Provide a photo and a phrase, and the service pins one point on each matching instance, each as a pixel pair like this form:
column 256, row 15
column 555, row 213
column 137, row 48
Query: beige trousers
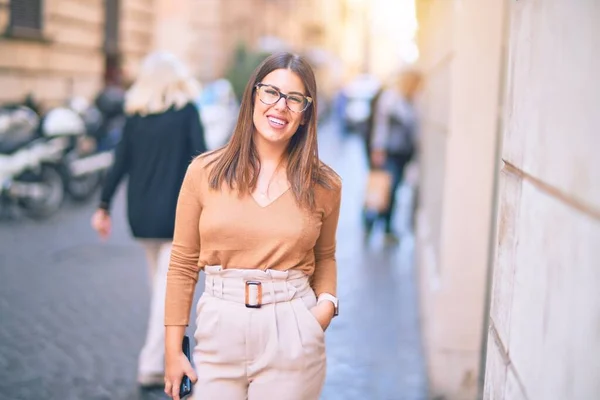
column 273, row 352
column 152, row 357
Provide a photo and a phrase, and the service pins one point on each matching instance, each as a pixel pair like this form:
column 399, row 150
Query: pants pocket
column 312, row 335
column 306, row 303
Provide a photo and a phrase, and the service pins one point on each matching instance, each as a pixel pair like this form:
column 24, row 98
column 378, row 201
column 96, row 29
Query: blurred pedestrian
column 394, row 141
column 260, row 217
column 110, row 104
column 162, row 134
column 370, row 125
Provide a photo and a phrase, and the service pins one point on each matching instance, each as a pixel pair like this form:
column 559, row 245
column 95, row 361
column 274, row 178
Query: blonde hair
column 163, row 82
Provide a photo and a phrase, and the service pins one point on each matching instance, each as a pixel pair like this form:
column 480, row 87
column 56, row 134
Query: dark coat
column 154, row 153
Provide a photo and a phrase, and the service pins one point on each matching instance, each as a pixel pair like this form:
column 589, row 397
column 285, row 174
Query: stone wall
column 544, row 341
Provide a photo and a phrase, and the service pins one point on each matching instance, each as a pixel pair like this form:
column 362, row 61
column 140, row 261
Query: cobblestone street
column 73, row 309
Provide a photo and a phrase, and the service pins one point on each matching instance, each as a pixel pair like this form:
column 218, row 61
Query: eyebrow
column 275, row 87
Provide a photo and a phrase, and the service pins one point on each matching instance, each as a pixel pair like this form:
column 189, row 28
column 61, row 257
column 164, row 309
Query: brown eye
column 298, row 100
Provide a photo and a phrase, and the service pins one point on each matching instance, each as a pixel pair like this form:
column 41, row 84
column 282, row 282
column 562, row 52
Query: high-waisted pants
column 256, row 338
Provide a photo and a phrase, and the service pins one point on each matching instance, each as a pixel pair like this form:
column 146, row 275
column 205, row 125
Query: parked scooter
column 85, row 161
column 29, row 164
column 90, row 154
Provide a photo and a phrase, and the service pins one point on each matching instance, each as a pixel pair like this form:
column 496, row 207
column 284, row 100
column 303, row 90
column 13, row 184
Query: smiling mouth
column 277, row 121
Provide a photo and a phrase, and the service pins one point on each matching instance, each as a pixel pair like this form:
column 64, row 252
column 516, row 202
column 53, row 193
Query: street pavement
column 73, row 309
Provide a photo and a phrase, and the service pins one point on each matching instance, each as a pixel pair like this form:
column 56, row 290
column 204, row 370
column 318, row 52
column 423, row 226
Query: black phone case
column 186, row 384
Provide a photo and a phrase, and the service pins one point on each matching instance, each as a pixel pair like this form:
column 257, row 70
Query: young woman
column 162, row 135
column 260, row 217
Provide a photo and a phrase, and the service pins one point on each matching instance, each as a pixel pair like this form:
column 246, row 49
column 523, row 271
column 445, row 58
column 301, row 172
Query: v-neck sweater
column 222, row 227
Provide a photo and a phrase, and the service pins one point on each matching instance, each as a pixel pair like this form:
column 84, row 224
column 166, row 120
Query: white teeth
column 277, row 121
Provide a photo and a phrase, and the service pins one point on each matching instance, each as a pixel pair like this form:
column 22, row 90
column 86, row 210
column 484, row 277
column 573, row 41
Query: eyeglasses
column 294, row 101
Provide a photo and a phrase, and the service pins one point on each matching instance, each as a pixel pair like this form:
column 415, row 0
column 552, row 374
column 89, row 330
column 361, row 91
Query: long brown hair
column 238, row 165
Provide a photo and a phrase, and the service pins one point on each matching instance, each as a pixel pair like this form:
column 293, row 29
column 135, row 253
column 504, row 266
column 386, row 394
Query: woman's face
column 276, row 123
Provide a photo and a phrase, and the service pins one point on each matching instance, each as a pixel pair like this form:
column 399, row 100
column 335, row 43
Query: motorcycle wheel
column 54, row 193
column 82, row 188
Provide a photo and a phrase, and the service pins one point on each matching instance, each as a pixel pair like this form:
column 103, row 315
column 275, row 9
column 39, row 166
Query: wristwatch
column 329, row 297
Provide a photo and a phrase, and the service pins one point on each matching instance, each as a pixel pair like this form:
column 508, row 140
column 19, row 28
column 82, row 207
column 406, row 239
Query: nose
column 281, row 104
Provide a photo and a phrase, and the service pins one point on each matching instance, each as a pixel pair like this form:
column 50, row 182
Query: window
column 26, row 17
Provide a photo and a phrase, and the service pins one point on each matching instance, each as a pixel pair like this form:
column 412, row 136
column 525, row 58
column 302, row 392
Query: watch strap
column 329, row 297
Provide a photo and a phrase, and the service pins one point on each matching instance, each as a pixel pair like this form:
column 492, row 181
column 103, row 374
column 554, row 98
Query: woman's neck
column 270, row 153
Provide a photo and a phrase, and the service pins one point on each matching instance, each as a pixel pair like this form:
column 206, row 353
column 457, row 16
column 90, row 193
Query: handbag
column 377, row 196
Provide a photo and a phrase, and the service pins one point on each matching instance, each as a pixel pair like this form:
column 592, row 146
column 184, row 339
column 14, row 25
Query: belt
column 254, row 287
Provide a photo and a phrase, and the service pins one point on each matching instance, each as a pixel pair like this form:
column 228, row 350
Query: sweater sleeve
column 120, row 166
column 324, row 279
column 183, row 267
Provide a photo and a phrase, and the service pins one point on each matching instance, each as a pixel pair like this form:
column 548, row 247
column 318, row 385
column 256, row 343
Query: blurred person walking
column 162, row 134
column 110, row 103
column 393, row 142
column 259, row 216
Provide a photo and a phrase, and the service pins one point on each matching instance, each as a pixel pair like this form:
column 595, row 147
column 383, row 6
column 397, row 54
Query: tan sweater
column 221, row 228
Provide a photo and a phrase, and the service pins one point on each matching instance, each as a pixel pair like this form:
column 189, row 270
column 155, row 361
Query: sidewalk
column 374, row 346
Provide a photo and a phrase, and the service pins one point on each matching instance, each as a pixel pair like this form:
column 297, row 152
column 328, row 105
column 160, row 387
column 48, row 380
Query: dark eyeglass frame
column 308, row 100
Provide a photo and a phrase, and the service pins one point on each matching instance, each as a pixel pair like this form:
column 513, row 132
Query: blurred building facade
column 510, row 199
column 333, row 34
column 206, row 33
column 55, row 49
column 59, row 48
column 50, row 48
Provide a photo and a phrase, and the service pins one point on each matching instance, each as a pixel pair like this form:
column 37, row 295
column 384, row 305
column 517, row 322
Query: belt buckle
column 258, row 285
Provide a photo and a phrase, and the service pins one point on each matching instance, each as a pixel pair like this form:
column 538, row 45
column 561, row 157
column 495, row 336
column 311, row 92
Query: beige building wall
column 353, row 44
column 173, row 26
column 70, row 58
column 203, row 33
column 136, row 32
column 67, row 61
column 207, row 60
column 544, row 340
column 461, row 50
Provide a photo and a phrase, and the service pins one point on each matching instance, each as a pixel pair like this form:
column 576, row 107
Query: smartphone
column 186, row 383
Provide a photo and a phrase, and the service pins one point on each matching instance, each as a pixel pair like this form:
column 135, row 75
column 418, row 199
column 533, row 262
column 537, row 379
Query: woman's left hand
column 323, row 312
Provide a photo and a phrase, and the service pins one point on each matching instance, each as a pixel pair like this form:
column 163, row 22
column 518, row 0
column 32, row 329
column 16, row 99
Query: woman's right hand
column 378, row 158
column 101, row 223
column 177, row 365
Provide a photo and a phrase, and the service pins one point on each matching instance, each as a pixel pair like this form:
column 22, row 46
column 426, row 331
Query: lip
column 276, row 125
column 278, row 117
